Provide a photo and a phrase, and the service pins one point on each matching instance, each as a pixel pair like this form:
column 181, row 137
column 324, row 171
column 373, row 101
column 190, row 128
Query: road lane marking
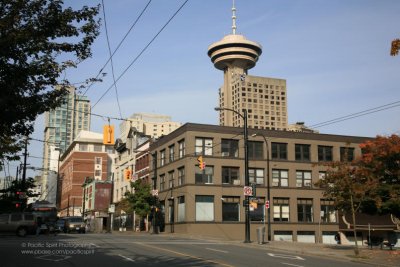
column 126, row 258
column 284, row 256
column 292, row 264
column 217, row 250
column 185, row 255
column 94, row 245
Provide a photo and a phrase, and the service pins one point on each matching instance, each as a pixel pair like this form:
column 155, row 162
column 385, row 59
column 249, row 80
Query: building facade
column 62, row 125
column 153, row 125
column 210, row 201
column 86, row 157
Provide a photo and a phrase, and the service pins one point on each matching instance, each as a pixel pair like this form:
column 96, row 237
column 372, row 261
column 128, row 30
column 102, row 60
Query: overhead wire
column 357, row 114
column 118, row 46
column 111, row 58
column 142, row 51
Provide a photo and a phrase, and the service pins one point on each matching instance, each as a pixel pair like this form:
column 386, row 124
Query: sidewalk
column 376, row 257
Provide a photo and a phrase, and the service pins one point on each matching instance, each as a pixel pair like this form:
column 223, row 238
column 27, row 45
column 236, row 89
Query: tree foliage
column 39, row 40
column 373, row 180
column 381, row 160
column 395, row 48
column 141, row 199
column 9, row 197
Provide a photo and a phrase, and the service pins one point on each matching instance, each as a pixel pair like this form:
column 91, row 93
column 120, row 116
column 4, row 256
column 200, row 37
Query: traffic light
column 127, row 174
column 17, row 205
column 202, row 164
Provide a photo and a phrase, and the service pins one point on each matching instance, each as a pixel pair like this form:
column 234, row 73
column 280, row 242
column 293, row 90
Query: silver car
column 19, row 223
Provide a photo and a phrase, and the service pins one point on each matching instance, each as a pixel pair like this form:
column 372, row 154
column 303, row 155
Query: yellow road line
column 185, row 255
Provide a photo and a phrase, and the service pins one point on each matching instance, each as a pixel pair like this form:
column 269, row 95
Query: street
column 145, row 250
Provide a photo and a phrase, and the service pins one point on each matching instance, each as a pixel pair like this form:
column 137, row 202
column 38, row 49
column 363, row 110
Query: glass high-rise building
column 62, row 125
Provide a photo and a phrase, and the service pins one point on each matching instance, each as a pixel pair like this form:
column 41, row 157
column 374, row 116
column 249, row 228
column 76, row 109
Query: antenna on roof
column 233, row 17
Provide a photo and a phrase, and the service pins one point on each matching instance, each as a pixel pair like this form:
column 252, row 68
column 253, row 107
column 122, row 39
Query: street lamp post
column 246, row 169
column 268, row 187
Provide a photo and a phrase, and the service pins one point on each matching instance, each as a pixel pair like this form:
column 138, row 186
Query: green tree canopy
column 39, row 40
column 141, row 199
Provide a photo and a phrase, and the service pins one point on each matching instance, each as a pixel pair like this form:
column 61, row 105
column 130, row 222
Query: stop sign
column 267, row 204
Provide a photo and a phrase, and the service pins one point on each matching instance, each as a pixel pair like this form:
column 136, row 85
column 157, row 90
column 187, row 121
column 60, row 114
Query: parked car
column 75, row 224
column 19, row 223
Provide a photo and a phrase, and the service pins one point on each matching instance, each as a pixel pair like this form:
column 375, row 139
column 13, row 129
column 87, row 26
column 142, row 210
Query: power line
column 143, row 50
column 357, row 114
column 111, row 60
column 118, row 46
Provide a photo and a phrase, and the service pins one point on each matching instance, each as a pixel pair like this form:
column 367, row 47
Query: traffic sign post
column 267, row 204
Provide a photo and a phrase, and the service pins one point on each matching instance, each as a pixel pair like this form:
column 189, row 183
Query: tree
column 9, row 197
column 141, row 199
column 381, row 160
column 39, row 40
column 395, row 47
column 349, row 187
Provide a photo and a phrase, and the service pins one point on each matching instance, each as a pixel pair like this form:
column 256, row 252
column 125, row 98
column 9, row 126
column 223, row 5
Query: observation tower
column 234, row 55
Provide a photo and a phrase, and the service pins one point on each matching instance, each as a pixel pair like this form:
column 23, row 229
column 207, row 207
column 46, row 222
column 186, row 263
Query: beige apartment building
column 210, row 201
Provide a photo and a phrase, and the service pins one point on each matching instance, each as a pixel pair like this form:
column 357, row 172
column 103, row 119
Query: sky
column 334, row 56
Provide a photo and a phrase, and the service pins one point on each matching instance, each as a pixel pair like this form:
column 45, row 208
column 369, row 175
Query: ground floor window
column 204, row 208
column 181, row 209
column 304, row 210
column 230, row 209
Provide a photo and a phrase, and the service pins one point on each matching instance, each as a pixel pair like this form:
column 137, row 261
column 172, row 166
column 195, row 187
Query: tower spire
column 233, row 18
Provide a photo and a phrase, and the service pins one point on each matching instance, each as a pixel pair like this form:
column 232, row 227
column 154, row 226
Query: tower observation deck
column 234, row 55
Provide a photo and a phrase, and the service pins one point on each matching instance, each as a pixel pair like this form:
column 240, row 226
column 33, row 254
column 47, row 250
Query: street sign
column 267, row 204
column 111, row 208
column 247, row 190
column 154, row 193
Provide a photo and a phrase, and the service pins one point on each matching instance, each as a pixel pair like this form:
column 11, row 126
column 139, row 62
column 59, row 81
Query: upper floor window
column 325, row 153
column 230, row 175
column 279, row 150
column 204, row 176
column 181, row 176
column 97, row 160
column 162, row 182
column 204, row 146
column 347, row 154
column 302, row 152
column 303, row 179
column 83, row 147
column 256, row 150
column 171, row 153
column 229, row 148
column 162, row 157
column 181, row 145
column 256, row 176
column 171, row 179
column 97, row 148
column 280, row 178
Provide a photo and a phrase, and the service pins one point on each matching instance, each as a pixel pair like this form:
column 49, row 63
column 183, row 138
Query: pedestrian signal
column 108, row 135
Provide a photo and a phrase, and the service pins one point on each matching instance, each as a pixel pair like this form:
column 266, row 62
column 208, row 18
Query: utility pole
column 24, row 168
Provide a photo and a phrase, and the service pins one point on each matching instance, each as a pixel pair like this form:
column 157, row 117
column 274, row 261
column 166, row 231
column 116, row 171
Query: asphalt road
column 145, row 250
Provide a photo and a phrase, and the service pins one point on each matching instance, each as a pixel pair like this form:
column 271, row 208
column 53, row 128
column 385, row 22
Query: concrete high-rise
column 62, row 125
column 264, row 98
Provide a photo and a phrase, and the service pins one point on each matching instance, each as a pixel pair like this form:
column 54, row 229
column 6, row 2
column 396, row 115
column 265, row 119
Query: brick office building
column 85, row 157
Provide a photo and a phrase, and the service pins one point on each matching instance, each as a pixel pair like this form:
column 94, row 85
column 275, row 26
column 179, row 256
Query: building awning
column 386, row 222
